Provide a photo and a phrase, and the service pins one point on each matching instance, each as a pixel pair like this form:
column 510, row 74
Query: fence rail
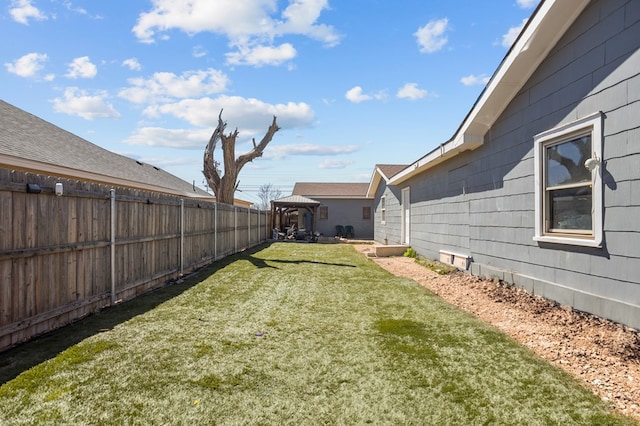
column 63, row 257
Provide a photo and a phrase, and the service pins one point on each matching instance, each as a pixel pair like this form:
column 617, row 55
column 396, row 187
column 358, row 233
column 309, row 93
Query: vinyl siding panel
column 481, row 203
column 346, row 212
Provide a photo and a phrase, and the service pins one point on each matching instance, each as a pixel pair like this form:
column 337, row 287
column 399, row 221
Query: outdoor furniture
column 339, row 231
column 349, row 232
column 277, row 235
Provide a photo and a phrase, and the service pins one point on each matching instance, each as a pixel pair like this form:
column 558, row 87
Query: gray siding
column 481, row 203
column 390, row 229
column 346, row 212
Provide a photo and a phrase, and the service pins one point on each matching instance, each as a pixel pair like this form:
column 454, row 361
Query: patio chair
column 349, row 232
column 339, row 231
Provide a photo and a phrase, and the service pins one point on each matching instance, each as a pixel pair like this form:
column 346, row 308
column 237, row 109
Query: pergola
column 283, row 207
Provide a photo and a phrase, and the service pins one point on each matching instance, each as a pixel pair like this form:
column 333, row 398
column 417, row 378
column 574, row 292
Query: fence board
column 55, row 254
column 6, row 299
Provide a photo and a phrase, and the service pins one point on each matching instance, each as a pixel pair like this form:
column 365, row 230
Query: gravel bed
column 604, row 355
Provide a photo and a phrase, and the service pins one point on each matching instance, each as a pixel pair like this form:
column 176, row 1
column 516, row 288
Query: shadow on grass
column 262, row 263
column 29, row 354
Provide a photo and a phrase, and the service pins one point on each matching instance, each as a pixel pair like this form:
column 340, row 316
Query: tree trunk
column 224, row 187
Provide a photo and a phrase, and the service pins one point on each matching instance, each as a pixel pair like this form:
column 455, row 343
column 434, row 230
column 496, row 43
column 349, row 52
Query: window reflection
column 565, row 162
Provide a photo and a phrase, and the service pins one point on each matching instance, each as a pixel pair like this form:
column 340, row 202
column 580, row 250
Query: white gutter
column 18, row 163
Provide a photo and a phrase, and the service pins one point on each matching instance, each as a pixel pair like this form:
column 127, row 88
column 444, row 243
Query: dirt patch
column 604, row 355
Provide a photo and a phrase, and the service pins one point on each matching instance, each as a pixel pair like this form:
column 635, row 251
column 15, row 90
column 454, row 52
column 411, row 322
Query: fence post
column 112, row 196
column 181, row 236
column 215, row 231
column 248, row 227
column 235, row 229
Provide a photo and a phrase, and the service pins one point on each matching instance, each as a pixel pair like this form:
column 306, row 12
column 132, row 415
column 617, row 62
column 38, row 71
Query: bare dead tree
column 268, row 192
column 225, row 186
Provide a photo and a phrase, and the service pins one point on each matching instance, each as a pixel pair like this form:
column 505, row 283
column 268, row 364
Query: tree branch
column 258, row 149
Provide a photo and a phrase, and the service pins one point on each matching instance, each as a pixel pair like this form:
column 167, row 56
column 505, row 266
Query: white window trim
column 593, row 123
column 383, row 210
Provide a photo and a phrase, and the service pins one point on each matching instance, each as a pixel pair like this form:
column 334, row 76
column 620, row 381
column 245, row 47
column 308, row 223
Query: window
column 383, row 209
column 568, row 183
column 366, row 213
column 324, row 213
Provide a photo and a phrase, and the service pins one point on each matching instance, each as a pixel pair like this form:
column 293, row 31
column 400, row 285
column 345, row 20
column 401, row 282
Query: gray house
column 341, row 205
column 540, row 184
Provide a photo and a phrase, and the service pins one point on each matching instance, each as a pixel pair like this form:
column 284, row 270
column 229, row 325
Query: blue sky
column 353, row 83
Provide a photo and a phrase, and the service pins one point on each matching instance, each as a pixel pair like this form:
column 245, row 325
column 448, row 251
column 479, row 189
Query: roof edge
column 18, row 163
column 545, row 27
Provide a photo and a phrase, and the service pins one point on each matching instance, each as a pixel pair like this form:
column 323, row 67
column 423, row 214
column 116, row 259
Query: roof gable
column 383, row 171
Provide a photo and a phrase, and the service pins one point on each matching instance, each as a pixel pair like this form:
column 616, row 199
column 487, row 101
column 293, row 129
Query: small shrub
column 410, row 253
column 436, row 266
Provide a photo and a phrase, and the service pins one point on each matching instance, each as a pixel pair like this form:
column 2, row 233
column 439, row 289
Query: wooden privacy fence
column 63, row 257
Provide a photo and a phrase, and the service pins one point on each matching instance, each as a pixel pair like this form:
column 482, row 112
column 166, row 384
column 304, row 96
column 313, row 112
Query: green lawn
column 289, row 334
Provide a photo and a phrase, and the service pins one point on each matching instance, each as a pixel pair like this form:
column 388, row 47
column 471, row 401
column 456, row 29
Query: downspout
column 112, row 196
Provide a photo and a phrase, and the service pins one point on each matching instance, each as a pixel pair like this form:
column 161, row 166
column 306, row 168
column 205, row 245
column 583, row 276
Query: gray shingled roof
column 330, row 189
column 27, row 137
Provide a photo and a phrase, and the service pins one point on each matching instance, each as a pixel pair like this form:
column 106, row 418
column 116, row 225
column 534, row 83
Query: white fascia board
column 374, row 183
column 462, row 142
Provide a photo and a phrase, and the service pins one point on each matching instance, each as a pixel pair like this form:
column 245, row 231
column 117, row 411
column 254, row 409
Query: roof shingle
column 24, row 136
column 330, row 189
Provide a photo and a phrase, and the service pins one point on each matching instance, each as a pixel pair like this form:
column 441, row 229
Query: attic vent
column 139, row 162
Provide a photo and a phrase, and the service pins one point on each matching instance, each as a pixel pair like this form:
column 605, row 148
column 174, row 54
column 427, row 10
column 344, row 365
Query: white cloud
column 80, row 10
column 27, row 65
column 510, row 37
column 278, row 152
column 261, row 55
column 431, row 37
column 250, row 25
column 300, row 18
column 356, row 95
column 22, row 10
column 166, row 86
column 198, row 51
column 171, row 138
column 132, row 64
column 78, row 102
column 527, row 4
column 251, row 116
column 82, row 68
column 474, row 80
column 334, row 164
column 411, row 91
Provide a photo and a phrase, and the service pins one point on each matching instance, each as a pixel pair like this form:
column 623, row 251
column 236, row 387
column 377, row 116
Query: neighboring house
column 341, row 204
column 540, row 184
column 29, row 143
